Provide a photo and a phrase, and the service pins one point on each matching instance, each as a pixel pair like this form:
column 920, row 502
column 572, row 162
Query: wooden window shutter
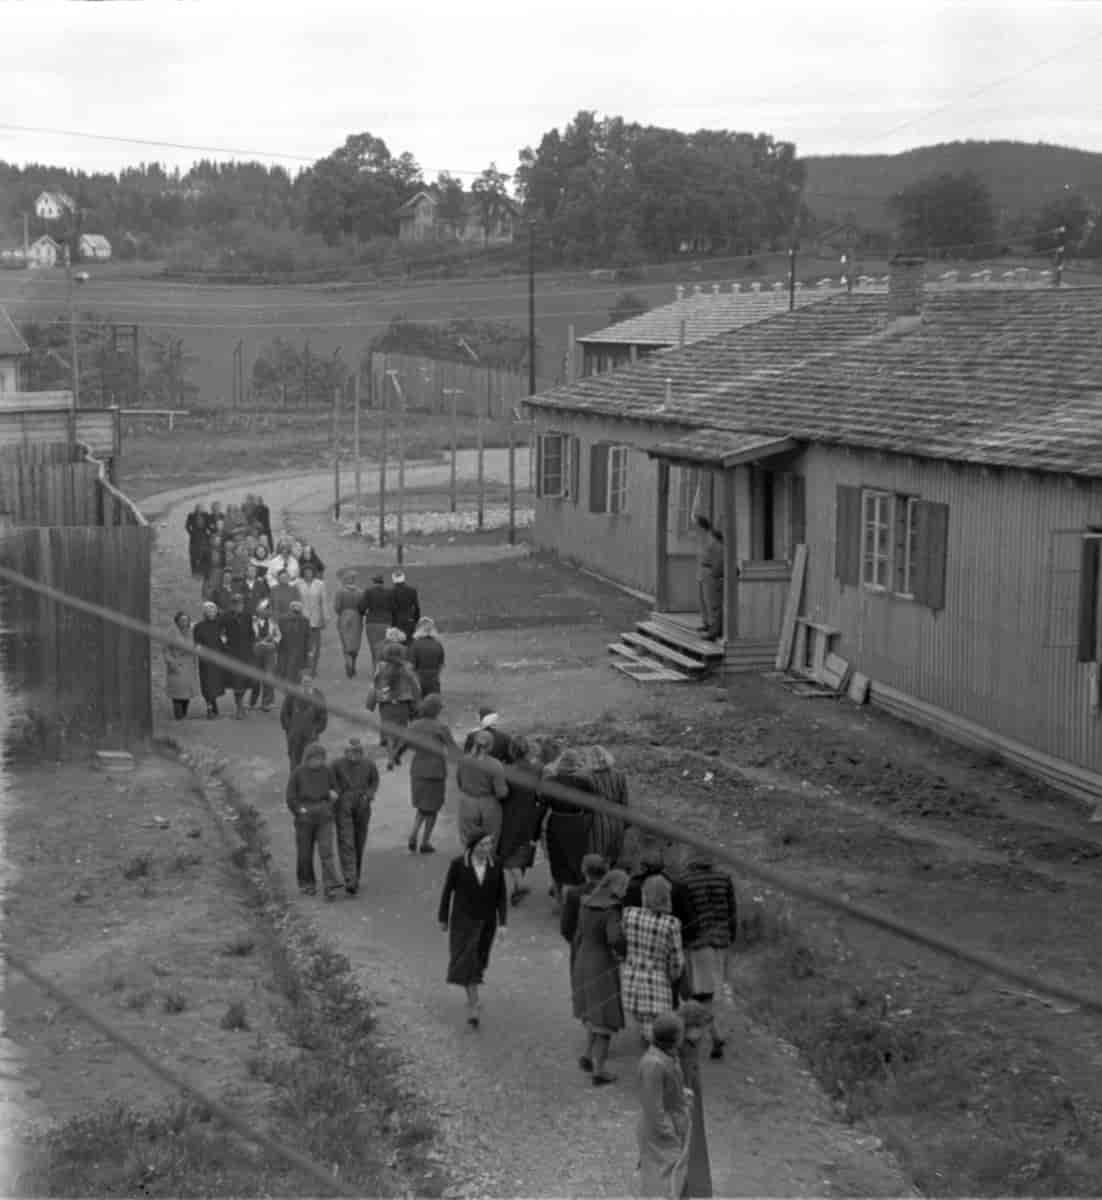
column 1088, row 601
column 539, row 464
column 847, row 536
column 598, row 477
column 575, row 447
column 931, row 548
column 797, row 523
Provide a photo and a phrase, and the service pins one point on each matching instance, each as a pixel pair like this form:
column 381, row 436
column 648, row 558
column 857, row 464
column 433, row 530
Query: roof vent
column 680, row 292
column 755, row 286
column 715, row 289
column 697, row 290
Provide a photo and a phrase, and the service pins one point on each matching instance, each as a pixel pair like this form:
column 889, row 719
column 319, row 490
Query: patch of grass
column 139, row 867
column 184, row 861
column 117, row 983
column 239, row 947
column 235, row 1016
column 174, row 1002
column 120, row 1152
column 139, row 1001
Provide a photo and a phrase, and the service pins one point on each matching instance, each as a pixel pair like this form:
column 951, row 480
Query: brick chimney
column 906, row 285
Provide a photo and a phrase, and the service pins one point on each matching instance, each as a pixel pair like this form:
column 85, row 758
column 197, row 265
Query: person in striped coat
column 710, row 930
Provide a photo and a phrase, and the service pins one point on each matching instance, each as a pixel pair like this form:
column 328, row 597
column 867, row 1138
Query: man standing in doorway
column 709, row 576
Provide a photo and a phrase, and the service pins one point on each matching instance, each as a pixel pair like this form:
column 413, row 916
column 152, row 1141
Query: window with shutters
column 906, row 532
column 876, row 547
column 617, row 479
column 552, row 469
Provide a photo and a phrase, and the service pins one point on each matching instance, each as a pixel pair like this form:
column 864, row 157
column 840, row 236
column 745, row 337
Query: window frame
column 886, row 524
column 616, row 489
column 562, row 440
column 906, row 526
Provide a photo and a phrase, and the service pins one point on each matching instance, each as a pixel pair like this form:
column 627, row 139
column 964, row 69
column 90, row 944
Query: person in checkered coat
column 654, row 959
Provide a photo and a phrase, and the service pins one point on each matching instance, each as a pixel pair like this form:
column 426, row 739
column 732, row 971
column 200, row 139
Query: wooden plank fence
column 80, row 680
column 430, row 385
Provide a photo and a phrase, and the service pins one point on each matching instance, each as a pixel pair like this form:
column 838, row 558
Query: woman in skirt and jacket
column 474, row 907
column 428, row 771
column 595, row 978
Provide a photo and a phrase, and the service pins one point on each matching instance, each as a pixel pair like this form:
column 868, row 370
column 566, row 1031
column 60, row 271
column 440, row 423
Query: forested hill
column 1021, row 176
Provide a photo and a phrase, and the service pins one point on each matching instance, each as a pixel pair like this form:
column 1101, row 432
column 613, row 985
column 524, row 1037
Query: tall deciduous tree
column 490, row 192
column 947, row 215
column 451, row 202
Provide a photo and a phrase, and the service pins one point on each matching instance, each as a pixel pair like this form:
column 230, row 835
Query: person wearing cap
column 350, row 622
column 208, row 633
column 665, row 1119
column 315, row 604
column 428, row 771
column 473, row 908
column 357, row 781
column 303, row 720
column 426, row 656
column 266, row 638
column 311, row 796
column 407, row 607
column 237, row 634
column 283, row 593
column 294, row 644
column 377, row 608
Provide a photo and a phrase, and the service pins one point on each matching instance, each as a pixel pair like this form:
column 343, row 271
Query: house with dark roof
column 939, row 454
column 13, row 353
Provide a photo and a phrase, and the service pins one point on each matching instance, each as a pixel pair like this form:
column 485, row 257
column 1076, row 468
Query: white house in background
column 50, row 206
column 94, row 245
column 13, row 350
column 13, row 256
column 45, row 252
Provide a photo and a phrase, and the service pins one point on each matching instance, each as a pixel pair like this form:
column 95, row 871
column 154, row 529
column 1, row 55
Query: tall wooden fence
column 80, row 680
column 432, row 386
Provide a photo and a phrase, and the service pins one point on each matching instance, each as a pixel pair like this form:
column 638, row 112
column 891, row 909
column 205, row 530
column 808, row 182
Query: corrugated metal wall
column 1002, row 653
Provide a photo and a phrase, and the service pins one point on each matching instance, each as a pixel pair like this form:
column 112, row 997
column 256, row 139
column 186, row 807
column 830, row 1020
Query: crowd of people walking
column 647, row 945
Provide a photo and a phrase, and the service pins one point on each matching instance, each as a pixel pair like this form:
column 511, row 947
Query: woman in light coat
column 181, row 678
column 350, row 622
column 483, row 789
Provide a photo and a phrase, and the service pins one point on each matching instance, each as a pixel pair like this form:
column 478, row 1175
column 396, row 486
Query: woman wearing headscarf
column 654, row 960
column 606, row 833
column 489, row 720
column 208, row 633
column 594, row 869
column 293, row 650
column 426, row 656
column 481, row 780
column 664, row 1127
column 350, row 622
column 595, row 976
column 473, row 907
column 567, row 826
column 180, row 666
column 396, row 692
column 428, row 771
column 521, row 816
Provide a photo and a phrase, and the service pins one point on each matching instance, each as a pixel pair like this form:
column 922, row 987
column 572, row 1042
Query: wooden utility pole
column 531, row 308
column 481, row 426
column 336, row 455
column 74, row 403
column 792, row 279
column 401, row 465
column 452, row 393
column 385, row 403
column 356, row 446
column 512, row 479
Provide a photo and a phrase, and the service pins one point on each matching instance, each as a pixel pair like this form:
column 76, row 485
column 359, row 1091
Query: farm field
column 344, row 318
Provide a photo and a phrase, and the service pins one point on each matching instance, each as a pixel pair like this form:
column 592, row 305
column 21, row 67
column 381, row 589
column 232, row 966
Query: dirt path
column 518, row 1116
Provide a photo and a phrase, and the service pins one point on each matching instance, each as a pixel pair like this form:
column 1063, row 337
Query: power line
column 992, row 964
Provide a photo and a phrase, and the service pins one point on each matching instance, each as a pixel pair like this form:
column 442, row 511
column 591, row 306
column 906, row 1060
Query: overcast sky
column 459, row 85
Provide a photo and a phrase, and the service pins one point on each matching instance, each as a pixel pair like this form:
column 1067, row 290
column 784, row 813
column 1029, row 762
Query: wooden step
column 663, row 653
column 685, row 643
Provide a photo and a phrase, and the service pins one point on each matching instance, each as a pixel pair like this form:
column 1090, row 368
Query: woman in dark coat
column 428, row 772
column 473, row 906
column 594, row 869
column 208, row 634
column 426, row 656
column 606, row 834
column 521, row 817
column 595, row 978
column 567, row 827
column 198, row 532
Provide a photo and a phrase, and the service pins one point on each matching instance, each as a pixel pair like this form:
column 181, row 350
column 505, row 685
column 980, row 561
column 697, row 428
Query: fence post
column 481, row 426
column 512, row 480
column 336, row 455
column 401, row 467
column 385, row 406
column 356, row 449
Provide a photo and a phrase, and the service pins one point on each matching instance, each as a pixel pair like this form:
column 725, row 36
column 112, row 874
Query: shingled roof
column 705, row 314
column 997, row 377
column 11, row 340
